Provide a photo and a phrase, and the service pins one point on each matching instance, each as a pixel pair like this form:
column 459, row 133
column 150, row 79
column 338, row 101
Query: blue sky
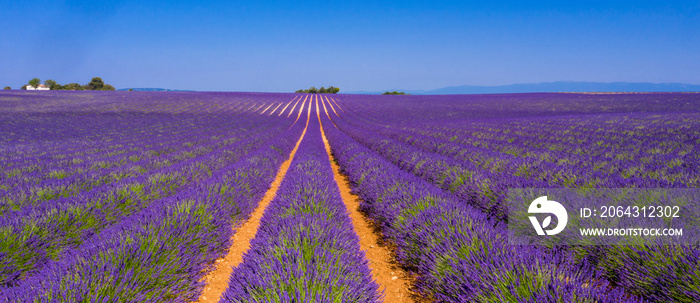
column 282, row 46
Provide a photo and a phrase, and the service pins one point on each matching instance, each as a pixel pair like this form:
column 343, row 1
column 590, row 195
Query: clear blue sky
column 368, row 45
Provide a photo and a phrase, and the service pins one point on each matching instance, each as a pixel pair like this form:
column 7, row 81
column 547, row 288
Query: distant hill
column 147, row 89
column 560, row 86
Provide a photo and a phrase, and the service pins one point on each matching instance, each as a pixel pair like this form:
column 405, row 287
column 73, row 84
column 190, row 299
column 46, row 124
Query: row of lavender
column 641, row 270
column 443, row 109
column 39, row 232
column 456, row 168
column 61, row 144
column 33, row 124
column 479, row 166
column 32, row 183
column 306, row 249
column 149, row 241
column 39, row 145
column 458, row 253
column 161, row 253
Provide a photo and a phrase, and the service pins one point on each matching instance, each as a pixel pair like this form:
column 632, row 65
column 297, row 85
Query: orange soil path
column 259, row 107
column 285, row 107
column 325, row 110
column 274, row 110
column 217, row 280
column 295, row 105
column 301, row 109
column 330, row 103
column 252, row 107
column 338, row 105
column 391, row 278
column 268, row 107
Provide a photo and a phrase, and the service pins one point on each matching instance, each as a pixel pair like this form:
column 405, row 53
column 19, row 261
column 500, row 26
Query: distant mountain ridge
column 547, row 87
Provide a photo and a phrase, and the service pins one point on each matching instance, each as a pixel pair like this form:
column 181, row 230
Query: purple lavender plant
column 459, row 253
column 306, row 249
column 159, row 251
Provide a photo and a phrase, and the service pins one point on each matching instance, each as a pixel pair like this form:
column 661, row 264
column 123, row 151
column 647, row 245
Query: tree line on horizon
column 322, row 90
column 395, row 93
column 95, row 84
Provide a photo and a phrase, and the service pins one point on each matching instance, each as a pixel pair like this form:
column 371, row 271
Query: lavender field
column 135, row 196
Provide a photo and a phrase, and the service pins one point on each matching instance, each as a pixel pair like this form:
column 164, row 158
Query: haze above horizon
column 277, row 46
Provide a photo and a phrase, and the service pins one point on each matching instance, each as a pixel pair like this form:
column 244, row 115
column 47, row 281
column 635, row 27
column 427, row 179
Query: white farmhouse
column 40, row 87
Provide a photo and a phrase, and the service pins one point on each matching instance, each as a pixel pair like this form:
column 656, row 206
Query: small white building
column 40, row 87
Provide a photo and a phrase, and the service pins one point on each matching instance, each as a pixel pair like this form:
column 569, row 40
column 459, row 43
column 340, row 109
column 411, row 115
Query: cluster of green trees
column 322, row 90
column 95, row 84
column 395, row 93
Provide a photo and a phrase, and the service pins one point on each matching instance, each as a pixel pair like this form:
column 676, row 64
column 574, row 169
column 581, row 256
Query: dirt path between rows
column 295, row 105
column 301, row 110
column 288, row 104
column 275, row 109
column 217, row 280
column 325, row 110
column 395, row 282
column 336, row 104
column 268, row 107
column 330, row 104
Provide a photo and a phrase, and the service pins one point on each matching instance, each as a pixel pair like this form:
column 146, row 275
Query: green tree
column 131, row 89
column 95, row 84
column 51, row 84
column 24, row 87
column 34, row 82
column 108, row 87
column 322, row 90
column 7, row 88
column 73, row 86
